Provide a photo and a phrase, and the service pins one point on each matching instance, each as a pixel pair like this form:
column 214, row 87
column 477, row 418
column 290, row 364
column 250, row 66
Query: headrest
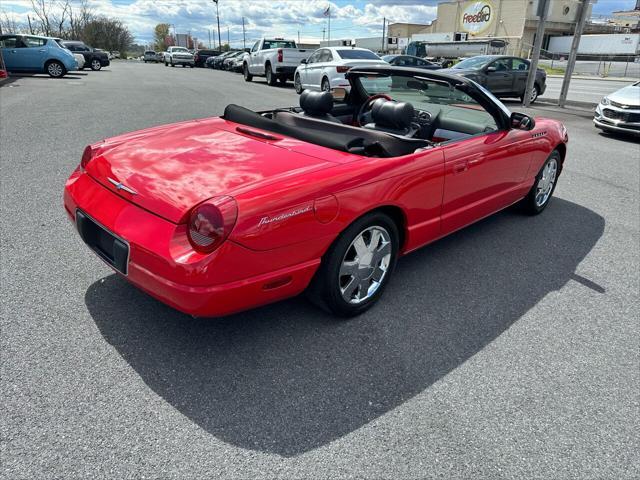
column 396, row 115
column 318, row 103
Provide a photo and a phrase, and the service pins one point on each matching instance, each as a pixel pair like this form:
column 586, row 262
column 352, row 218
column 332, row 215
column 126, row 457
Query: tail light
column 211, row 222
column 280, row 55
column 342, row 69
column 87, row 156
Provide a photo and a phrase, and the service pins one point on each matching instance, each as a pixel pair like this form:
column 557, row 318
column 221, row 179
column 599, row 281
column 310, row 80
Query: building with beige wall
column 512, row 20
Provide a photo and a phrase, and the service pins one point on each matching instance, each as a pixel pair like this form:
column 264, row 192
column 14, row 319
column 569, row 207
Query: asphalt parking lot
column 507, row 350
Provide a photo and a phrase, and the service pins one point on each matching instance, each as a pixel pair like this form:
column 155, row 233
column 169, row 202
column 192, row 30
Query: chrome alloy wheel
column 534, row 95
column 54, row 69
column 365, row 265
column 546, row 182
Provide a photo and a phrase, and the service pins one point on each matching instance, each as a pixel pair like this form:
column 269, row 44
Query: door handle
column 13, row 51
column 460, row 167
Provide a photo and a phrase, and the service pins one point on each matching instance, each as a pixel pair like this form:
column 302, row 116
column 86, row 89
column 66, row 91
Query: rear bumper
column 285, row 70
column 105, row 62
column 162, row 263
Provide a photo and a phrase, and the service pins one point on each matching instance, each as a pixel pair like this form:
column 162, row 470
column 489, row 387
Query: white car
column 80, row 59
column 620, row 111
column 273, row 58
column 326, row 67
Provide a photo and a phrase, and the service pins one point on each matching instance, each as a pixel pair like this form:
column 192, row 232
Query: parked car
column 150, row 56
column 411, row 61
column 115, row 54
column 326, row 68
column 237, row 62
column 502, row 75
column 619, row 112
column 178, row 56
column 201, row 56
column 218, row 215
column 273, row 58
column 94, row 58
column 36, row 54
column 219, row 60
column 160, row 56
column 229, row 62
column 80, row 59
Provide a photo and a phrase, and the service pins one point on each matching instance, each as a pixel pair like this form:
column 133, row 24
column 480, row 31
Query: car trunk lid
column 170, row 169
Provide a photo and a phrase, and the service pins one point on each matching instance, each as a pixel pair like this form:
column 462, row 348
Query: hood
column 174, row 167
column 629, row 95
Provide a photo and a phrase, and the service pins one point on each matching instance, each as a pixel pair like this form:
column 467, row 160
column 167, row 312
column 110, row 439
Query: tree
column 160, row 34
column 225, row 47
column 108, row 34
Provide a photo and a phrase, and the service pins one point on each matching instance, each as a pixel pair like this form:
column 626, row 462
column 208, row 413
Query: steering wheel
column 365, row 108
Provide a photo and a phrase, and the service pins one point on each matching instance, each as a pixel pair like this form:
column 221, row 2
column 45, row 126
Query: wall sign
column 477, row 16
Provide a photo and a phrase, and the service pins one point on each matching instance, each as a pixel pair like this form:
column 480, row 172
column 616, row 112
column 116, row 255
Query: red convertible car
column 222, row 214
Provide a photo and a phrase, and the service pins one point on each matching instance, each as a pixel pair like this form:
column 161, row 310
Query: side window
column 266, row 46
column 33, row 42
column 314, row 57
column 519, row 64
column 255, row 46
column 502, row 64
column 70, row 47
column 8, row 42
column 421, row 63
column 328, row 56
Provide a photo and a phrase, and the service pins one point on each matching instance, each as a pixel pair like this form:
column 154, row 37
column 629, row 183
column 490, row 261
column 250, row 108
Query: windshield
column 437, row 97
column 180, row 49
column 349, row 54
column 388, row 58
column 473, row 63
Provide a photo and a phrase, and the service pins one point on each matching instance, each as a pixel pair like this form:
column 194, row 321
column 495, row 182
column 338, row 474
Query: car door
column 314, row 69
column 484, row 172
column 499, row 79
column 34, row 52
column 10, row 52
column 253, row 58
column 520, row 72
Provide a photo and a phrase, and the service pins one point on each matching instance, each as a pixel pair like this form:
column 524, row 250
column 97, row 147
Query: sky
column 286, row 18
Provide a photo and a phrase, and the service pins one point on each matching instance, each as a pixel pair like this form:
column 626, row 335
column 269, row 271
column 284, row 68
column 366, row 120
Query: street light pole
column 573, row 53
column 218, row 19
column 543, row 8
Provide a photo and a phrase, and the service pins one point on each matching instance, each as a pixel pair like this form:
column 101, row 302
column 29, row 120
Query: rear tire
column 544, row 185
column 297, row 83
column 534, row 95
column 55, row 69
column 325, row 86
column 271, row 78
column 357, row 267
column 95, row 65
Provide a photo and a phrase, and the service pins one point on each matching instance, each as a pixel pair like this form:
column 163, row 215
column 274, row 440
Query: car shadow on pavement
column 288, row 378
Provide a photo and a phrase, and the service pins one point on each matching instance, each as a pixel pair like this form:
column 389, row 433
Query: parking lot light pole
column 573, row 53
column 218, row 19
column 543, row 8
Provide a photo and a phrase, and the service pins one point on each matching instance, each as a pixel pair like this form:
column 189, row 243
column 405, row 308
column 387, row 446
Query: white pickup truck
column 274, row 58
column 178, row 56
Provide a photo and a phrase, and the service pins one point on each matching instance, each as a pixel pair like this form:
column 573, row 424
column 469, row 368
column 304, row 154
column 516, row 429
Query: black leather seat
column 318, row 105
column 392, row 117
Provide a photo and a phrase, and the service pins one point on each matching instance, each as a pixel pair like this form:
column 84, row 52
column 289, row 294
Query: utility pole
column 323, row 29
column 543, row 8
column 228, row 39
column 209, row 32
column 573, row 53
column 329, row 26
column 218, row 19
column 298, row 38
column 244, row 40
column 30, row 27
column 384, row 21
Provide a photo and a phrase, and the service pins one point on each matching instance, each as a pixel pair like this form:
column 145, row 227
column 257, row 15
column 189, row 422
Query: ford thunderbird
column 218, row 215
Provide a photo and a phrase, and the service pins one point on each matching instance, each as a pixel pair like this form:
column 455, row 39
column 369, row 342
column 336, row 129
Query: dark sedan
column 502, row 75
column 92, row 57
column 201, row 56
column 411, row 61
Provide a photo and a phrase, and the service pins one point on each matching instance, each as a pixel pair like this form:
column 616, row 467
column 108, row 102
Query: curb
column 553, row 102
column 594, row 77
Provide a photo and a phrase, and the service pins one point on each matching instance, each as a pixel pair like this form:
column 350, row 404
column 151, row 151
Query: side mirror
column 303, row 61
column 339, row 94
column 520, row 121
column 491, row 69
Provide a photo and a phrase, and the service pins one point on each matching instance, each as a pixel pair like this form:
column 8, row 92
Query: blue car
column 30, row 53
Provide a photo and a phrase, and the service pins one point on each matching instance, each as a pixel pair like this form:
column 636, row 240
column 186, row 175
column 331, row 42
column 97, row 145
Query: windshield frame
column 487, row 100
